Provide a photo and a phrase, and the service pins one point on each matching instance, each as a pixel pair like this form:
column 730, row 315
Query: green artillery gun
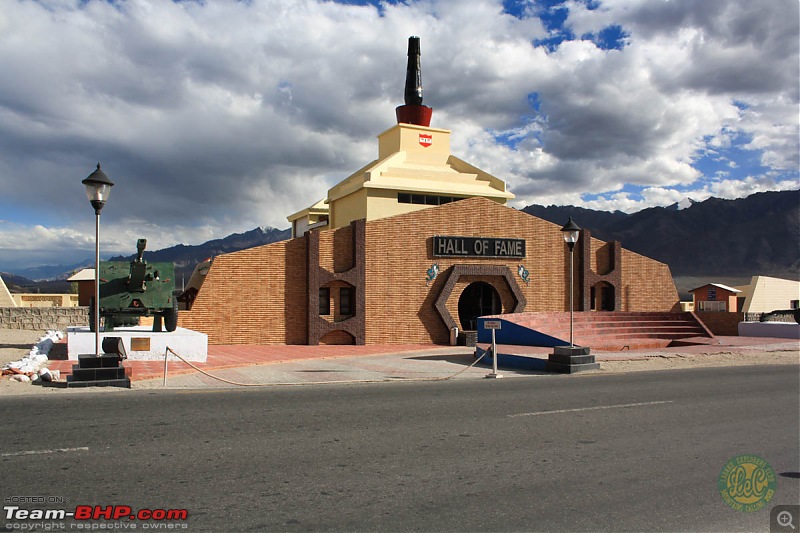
column 132, row 290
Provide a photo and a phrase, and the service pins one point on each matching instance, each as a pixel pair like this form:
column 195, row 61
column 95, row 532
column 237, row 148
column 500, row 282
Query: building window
column 424, row 199
column 324, row 301
column 346, row 301
column 712, row 306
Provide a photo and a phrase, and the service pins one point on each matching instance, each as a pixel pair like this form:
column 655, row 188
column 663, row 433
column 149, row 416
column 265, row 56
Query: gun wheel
column 171, row 317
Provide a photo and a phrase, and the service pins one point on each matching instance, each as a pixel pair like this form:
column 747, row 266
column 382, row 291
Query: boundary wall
column 43, row 318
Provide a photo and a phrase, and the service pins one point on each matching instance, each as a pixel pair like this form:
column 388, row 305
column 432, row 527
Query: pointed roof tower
column 414, row 170
column 413, row 112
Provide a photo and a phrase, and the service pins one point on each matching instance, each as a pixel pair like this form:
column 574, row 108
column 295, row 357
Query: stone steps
column 105, row 370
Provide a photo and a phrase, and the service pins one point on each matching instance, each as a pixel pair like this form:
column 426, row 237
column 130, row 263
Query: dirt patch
column 17, row 343
column 697, row 360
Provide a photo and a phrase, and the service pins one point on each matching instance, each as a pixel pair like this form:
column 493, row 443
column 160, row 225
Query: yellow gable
column 414, row 170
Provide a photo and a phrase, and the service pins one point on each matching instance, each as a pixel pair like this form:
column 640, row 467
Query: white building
column 765, row 294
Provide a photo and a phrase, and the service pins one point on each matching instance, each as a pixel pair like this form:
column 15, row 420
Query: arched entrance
column 478, row 299
column 602, row 297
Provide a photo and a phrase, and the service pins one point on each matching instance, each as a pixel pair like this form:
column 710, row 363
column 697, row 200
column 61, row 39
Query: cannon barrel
column 413, row 91
column 141, row 244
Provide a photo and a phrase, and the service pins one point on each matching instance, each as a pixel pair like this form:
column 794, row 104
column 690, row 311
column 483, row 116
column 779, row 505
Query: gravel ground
column 783, row 354
column 17, row 343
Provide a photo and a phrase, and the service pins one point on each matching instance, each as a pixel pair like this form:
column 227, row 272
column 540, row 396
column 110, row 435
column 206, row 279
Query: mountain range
column 186, row 257
column 726, row 241
column 52, row 278
column 759, row 234
column 716, row 240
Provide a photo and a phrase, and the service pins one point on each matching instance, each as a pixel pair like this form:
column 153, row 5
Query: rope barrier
column 384, row 380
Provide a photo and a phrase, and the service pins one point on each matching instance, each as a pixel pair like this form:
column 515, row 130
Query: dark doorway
column 607, row 298
column 478, row 299
column 603, row 297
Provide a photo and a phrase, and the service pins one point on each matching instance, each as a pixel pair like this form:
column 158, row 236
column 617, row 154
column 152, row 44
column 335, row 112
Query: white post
column 494, row 354
column 493, row 325
column 166, row 354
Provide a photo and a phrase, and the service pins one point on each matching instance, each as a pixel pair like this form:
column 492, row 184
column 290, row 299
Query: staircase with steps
column 599, row 330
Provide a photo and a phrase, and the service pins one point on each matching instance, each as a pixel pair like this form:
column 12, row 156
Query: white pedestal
column 778, row 330
column 141, row 343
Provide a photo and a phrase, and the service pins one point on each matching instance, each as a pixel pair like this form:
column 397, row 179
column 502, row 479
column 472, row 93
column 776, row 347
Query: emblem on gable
column 425, row 139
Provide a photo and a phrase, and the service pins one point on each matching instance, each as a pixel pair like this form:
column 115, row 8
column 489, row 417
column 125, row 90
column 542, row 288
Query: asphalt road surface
column 640, row 451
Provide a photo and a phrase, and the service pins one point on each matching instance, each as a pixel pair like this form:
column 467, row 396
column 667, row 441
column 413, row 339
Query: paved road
column 637, row 451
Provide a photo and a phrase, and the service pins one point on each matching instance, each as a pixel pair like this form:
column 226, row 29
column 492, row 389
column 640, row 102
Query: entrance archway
column 602, row 297
column 478, row 299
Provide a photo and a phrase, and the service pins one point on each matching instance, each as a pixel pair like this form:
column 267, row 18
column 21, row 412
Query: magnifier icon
column 785, row 519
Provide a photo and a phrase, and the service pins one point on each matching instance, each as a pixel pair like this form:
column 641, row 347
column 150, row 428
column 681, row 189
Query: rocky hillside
column 186, row 257
column 759, row 234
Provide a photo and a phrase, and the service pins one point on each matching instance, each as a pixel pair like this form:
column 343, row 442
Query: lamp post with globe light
column 570, row 359
column 571, row 232
column 98, row 188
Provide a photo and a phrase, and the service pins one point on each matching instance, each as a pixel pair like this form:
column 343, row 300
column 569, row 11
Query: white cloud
column 663, row 196
column 214, row 117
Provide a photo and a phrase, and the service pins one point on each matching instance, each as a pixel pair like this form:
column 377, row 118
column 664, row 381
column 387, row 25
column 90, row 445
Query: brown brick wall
column 647, row 285
column 337, row 337
column 399, row 254
column 255, row 296
column 603, row 258
column 726, row 324
column 259, row 295
column 341, row 240
column 341, row 249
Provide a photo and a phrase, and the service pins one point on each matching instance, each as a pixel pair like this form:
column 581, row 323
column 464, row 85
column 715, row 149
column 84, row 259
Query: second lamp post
column 571, row 234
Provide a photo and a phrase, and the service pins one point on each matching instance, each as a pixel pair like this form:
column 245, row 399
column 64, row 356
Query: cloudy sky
column 214, row 116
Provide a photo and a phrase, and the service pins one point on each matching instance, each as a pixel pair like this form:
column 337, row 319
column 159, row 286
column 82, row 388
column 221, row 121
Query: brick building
column 416, row 243
column 715, row 297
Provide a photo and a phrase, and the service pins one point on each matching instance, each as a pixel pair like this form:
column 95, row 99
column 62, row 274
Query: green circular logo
column 747, row 483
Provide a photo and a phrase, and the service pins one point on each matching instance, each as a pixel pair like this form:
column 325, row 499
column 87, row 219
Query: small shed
column 85, row 280
column 715, row 297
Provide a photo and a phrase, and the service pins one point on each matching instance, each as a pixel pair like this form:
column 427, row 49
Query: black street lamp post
column 98, row 188
column 571, row 232
column 570, row 359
